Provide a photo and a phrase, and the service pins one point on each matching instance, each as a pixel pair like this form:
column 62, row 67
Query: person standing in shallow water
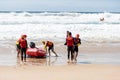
column 50, row 46
column 77, row 42
column 70, row 43
column 23, row 44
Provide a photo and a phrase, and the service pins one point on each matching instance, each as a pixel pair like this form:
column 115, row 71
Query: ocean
column 53, row 26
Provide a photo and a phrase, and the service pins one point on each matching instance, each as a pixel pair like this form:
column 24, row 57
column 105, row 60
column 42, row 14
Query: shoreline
column 88, row 54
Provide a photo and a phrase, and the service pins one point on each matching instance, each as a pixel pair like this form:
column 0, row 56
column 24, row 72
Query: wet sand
column 95, row 62
column 88, row 54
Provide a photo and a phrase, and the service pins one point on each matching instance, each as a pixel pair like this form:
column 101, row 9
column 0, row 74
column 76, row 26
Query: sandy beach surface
column 66, row 72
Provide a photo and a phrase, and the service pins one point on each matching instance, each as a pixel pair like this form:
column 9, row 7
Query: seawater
column 53, row 26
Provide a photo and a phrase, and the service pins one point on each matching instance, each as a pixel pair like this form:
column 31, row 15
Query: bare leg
column 52, row 49
column 49, row 52
column 18, row 52
column 76, row 56
column 54, row 53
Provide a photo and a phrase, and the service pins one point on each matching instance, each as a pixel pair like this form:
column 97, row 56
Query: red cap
column 24, row 35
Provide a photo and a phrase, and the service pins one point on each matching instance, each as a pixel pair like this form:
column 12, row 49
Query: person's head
column 24, row 36
column 70, row 34
column 43, row 42
column 77, row 35
column 67, row 32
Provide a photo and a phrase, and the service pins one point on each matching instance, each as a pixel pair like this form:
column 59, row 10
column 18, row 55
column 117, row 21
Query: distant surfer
column 102, row 19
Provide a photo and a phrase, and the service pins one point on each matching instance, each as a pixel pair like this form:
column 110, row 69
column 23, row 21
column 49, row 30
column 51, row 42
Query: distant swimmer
column 102, row 19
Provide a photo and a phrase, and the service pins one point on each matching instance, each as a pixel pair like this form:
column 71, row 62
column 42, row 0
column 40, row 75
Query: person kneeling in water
column 50, row 46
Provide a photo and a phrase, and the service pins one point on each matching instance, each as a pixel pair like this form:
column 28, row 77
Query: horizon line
column 61, row 11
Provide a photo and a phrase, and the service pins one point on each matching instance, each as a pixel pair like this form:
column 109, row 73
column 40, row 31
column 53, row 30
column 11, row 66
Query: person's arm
column 18, row 42
column 74, row 42
column 65, row 42
column 45, row 47
column 79, row 43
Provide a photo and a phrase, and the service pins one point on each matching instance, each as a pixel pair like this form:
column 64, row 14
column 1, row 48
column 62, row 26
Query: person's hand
column 78, row 44
column 65, row 43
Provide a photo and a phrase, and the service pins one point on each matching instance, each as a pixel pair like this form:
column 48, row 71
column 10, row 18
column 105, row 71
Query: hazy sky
column 60, row 5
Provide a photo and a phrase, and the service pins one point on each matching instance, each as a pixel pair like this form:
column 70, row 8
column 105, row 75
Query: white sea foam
column 53, row 26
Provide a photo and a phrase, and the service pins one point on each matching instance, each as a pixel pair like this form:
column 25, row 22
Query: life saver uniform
column 23, row 43
column 77, row 41
column 49, row 44
column 69, row 41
